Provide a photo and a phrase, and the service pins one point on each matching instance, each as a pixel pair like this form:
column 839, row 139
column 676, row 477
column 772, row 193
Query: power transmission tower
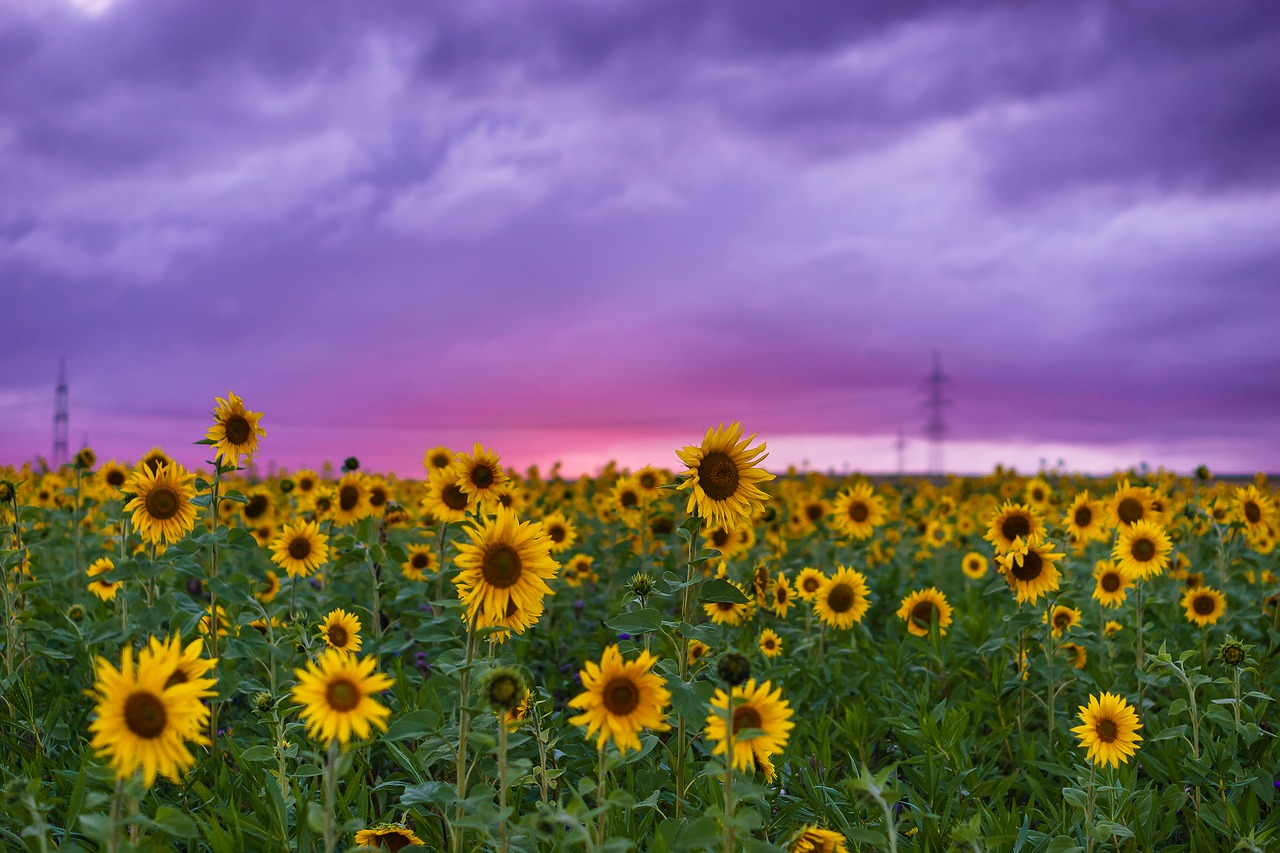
column 901, row 445
column 936, row 428
column 60, row 417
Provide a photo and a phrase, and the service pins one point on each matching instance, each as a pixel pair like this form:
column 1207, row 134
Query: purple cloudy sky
column 588, row 228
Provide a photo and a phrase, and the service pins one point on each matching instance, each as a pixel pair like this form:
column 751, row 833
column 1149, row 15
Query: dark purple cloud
column 569, row 225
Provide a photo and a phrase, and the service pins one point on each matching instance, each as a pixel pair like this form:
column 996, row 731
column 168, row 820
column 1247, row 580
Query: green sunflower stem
column 683, row 651
column 330, row 795
column 1089, row 808
column 441, row 541
column 728, row 773
column 504, row 843
column 464, row 723
column 213, row 593
column 117, row 805
column 600, row 804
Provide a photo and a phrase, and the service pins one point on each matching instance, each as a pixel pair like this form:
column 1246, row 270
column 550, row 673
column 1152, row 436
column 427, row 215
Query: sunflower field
column 707, row 658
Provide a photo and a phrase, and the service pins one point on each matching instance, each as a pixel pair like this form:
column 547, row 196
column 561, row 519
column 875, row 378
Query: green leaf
column 1170, row 733
column 636, row 621
column 173, row 822
column 258, row 753
column 720, row 590
column 414, row 725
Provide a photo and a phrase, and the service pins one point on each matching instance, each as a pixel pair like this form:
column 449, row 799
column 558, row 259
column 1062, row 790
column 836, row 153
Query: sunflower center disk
column 420, row 561
column 238, row 430
column 342, row 695
column 144, row 714
column 348, row 497
column 256, row 506
column 1084, row 515
column 840, row 599
column 555, row 533
column 859, row 512
column 1203, row 605
column 162, row 503
column 621, row 696
column 1144, row 550
column 718, row 476
column 1062, row 620
column 1030, row 569
column 300, row 548
column 338, row 636
column 178, row 677
column 1129, row 510
column 501, row 566
column 1107, row 731
column 923, row 613
column 482, row 476
column 454, row 498
column 1014, row 526
column 629, row 500
column 1110, row 582
column 1252, row 512
column 115, row 479
column 745, row 717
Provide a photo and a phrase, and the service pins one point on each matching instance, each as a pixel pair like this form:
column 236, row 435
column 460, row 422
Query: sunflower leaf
column 718, row 590
column 636, row 621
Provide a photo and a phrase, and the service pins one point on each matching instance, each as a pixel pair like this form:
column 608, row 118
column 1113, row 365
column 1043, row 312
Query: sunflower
column 516, row 717
column 305, row 481
column 815, row 839
column 143, row 722
column 154, row 459
column 1011, row 523
column 626, row 498
column 560, row 531
column 808, row 582
column 1253, row 509
column 754, row 708
column 697, row 651
column 438, row 458
column 235, row 431
column 579, row 570
column 922, row 609
column 1030, row 569
column 723, row 478
column 1084, row 519
column 1112, row 628
column 1108, row 730
column 858, row 512
column 1038, row 494
column 445, row 499
column 421, row 562
column 770, row 643
column 651, row 479
column 189, row 667
column 1077, row 656
column 480, row 474
column 1062, row 619
column 1142, row 550
column 1112, row 584
column 507, row 563
column 336, row 695
column 780, row 595
column 843, row 599
column 620, row 698
column 352, row 501
column 113, row 476
column 102, row 588
column 728, row 612
column 162, row 508
column 300, row 549
column 974, row 565
column 270, row 588
column 1130, row 504
column 1204, row 605
column 388, row 836
column 340, row 630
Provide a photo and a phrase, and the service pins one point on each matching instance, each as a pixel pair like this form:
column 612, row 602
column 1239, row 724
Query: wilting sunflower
column 388, row 836
column 445, row 499
column 143, row 722
column 421, row 562
column 1062, row 619
column 770, row 643
column 1077, row 656
column 480, row 474
column 336, row 695
column 300, row 549
column 1204, row 605
column 815, row 839
column 620, row 698
column 808, row 582
column 1142, row 550
column 1130, row 504
column 351, row 502
column 697, row 651
column 1108, row 730
column 235, row 430
column 1253, row 509
column 1112, row 584
column 340, row 631
column 560, row 531
column 506, row 564
column 723, row 478
column 754, row 707
column 162, row 508
column 1030, row 569
column 922, row 609
column 1011, row 523
column 843, row 599
column 728, row 612
column 270, row 588
column 858, row 512
column 1085, row 519
column 974, row 565
column 102, row 588
column 781, row 595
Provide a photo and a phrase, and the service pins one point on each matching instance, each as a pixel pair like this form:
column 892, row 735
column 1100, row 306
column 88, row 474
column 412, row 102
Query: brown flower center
column 859, row 511
column 453, row 497
column 1031, row 568
column 813, row 512
column 720, row 538
column 1129, row 510
column 300, row 548
column 179, row 676
column 628, row 499
column 145, row 715
column 482, row 476
column 342, row 694
column 718, row 476
column 1014, row 526
column 648, row 481
column 1084, row 516
column 338, row 636
column 810, row 584
column 1143, row 550
column 256, row 506
column 556, row 533
column 162, row 503
column 1203, row 605
column 440, row 460
column 1106, row 730
column 238, row 430
column 501, row 566
column 621, row 696
column 377, row 496
column 348, row 497
column 420, row 560
column 840, row 599
column 1252, row 512
column 745, row 717
column 924, row 613
column 1061, row 620
column 1110, row 582
column 115, row 478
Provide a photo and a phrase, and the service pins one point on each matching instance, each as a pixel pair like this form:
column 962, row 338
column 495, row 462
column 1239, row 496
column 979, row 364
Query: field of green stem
column 482, row 659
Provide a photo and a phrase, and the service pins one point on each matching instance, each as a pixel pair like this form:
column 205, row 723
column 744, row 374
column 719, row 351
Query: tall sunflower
column 620, row 698
column 113, row 477
column 974, row 565
column 781, row 595
column 300, row 549
column 445, row 498
column 723, row 476
column 1108, row 730
column 1011, row 523
column 1062, row 619
column 351, row 502
column 101, row 587
column 1030, row 569
column 843, row 599
column 235, row 430
column 144, row 722
column 340, row 631
column 1252, row 508
column 161, row 507
column 1204, row 605
column 1142, row 549
column 560, row 531
column 190, row 666
column 480, row 474
column 1085, row 519
column 1112, row 584
column 808, row 582
column 506, row 564
column 770, row 643
column 421, row 561
column 754, row 708
column 438, row 458
column 924, row 608
column 1130, row 504
column 336, row 693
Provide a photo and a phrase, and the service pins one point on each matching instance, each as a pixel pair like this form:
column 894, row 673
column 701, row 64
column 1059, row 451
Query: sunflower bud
column 640, row 585
column 1203, row 473
column 262, row 702
column 503, row 688
column 86, row 458
column 287, row 485
column 733, row 669
column 1233, row 652
column 350, row 464
column 75, row 613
